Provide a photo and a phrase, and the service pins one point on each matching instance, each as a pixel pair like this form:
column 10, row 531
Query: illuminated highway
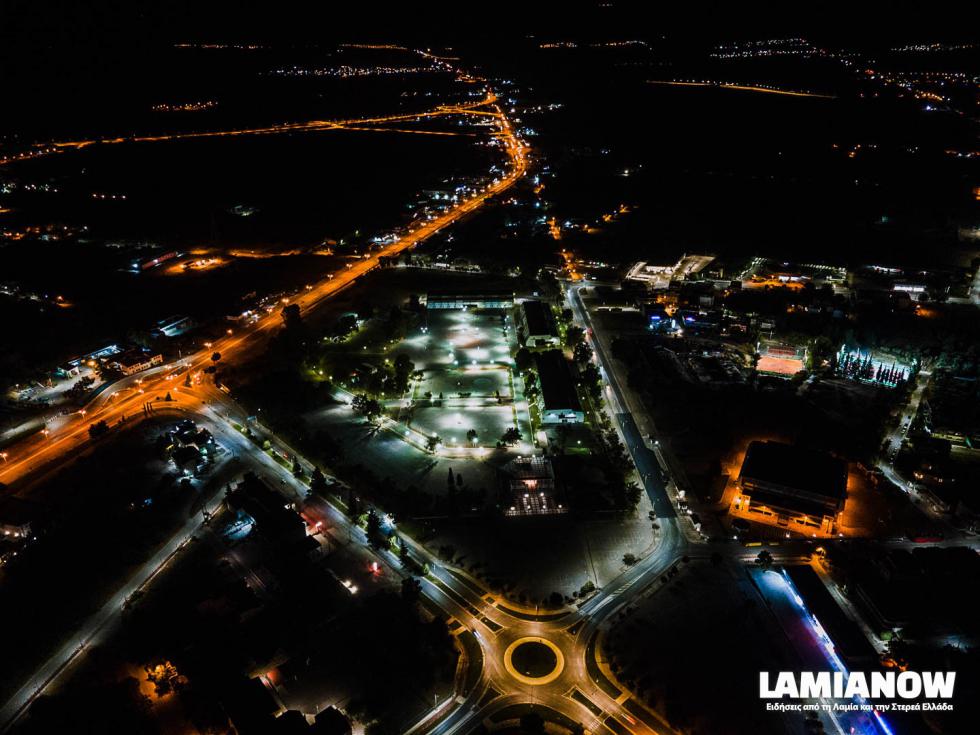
column 124, row 400
column 578, row 688
column 493, row 624
column 567, row 678
column 365, row 123
column 745, row 88
column 98, row 626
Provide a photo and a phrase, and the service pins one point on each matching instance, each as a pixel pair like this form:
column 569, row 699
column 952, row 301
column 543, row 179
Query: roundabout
column 535, row 661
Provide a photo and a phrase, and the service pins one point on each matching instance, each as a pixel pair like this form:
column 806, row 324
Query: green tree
column 593, row 380
column 523, row 360
column 511, row 436
column 764, row 559
column 318, row 483
column 632, row 493
column 531, row 389
column 107, row 372
column 291, row 318
column 374, row 532
column 367, row 407
column 574, row 335
column 582, row 353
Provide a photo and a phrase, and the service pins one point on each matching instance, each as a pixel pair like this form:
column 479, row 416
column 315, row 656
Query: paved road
column 893, row 443
column 495, row 625
column 97, row 626
column 126, row 398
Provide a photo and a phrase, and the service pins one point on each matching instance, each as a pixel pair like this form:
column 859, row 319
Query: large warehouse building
column 537, row 325
column 557, row 401
column 469, row 299
column 795, row 488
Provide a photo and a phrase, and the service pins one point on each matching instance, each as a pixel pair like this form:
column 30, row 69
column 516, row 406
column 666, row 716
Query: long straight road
column 126, row 399
column 92, row 630
column 643, row 457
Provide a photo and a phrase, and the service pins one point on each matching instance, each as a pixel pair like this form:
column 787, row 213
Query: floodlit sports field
column 466, row 383
column 779, row 365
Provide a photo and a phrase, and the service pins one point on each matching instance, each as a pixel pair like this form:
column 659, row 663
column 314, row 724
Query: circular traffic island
column 534, row 661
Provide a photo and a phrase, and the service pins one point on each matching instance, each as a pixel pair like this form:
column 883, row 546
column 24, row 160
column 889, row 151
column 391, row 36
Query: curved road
column 578, row 692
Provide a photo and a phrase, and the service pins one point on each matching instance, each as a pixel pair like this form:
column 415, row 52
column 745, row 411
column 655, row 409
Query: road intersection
column 576, row 689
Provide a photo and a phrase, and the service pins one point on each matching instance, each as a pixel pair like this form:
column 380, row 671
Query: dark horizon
column 25, row 24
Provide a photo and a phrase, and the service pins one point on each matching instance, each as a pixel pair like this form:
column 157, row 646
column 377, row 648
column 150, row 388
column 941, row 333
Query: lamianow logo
column 876, row 685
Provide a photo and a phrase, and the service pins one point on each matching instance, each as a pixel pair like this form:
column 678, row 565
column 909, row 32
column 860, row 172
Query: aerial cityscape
column 577, row 369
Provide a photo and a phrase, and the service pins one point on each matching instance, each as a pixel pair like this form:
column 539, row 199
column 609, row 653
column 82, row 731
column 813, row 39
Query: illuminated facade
column 469, row 299
column 791, row 487
column 135, row 361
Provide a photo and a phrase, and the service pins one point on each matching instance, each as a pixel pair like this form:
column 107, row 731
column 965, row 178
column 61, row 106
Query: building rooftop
column 470, row 293
column 785, row 465
column 538, row 318
column 534, row 467
column 133, row 357
column 273, row 518
column 557, row 387
column 922, row 588
column 846, row 635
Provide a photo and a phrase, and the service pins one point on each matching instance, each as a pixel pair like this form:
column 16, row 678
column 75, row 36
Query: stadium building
column 791, row 487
